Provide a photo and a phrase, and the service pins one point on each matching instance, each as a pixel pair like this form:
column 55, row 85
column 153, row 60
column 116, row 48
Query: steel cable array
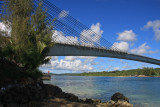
column 70, row 31
column 72, row 27
column 67, row 27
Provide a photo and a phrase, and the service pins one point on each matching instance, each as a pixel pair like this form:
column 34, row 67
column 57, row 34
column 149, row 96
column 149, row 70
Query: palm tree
column 30, row 39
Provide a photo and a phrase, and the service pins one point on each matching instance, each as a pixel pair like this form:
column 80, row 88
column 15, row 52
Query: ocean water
column 141, row 91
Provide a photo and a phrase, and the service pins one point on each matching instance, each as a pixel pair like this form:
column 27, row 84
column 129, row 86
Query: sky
column 130, row 25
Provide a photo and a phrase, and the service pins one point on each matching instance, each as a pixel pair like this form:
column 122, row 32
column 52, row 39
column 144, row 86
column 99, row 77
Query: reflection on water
column 141, row 91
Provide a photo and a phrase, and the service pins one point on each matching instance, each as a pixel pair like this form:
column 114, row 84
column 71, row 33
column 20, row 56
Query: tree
column 30, row 39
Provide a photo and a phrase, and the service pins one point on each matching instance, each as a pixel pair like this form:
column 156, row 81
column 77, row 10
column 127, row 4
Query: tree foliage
column 30, row 38
column 133, row 72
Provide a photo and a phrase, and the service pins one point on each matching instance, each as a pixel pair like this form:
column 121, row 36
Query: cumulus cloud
column 122, row 46
column 54, row 62
column 63, row 14
column 5, row 30
column 86, row 59
column 59, row 37
column 54, row 58
column 143, row 49
column 89, row 37
column 127, row 35
column 155, row 25
column 74, row 65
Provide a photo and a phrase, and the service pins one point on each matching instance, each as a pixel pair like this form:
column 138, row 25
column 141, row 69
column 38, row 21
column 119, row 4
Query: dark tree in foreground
column 30, row 38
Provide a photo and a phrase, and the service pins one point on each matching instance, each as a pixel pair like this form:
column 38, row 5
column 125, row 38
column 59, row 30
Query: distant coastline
column 109, row 76
column 145, row 72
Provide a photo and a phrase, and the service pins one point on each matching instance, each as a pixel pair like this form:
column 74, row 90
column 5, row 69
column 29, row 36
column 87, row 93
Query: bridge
column 75, row 50
column 72, row 38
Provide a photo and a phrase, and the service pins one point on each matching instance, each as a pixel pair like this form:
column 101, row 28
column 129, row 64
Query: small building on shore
column 46, row 76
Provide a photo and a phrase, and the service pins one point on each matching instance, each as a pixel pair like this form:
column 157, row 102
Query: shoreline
column 104, row 76
column 38, row 94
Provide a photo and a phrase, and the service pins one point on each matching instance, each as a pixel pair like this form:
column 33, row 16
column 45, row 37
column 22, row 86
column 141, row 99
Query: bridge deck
column 75, row 50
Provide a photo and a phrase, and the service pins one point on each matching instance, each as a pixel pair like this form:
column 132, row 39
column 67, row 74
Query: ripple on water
column 141, row 91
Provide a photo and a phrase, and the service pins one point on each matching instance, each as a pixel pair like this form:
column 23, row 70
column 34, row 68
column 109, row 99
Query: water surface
column 141, row 91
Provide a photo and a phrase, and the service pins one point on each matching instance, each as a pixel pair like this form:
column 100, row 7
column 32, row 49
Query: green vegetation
column 133, row 72
column 25, row 48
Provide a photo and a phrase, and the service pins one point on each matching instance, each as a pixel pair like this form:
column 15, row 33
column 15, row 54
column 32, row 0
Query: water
column 141, row 91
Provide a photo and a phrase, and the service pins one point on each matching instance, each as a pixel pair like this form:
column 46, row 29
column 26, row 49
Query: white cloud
column 116, row 68
column 63, row 14
column 2, row 27
column 127, row 35
column 74, row 65
column 70, row 58
column 5, row 29
column 86, row 59
column 59, row 37
column 53, row 62
column 142, row 49
column 94, row 63
column 122, row 46
column 89, row 37
column 155, row 25
column 55, row 58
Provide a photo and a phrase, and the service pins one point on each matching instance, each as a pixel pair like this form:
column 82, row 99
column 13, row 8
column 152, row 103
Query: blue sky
column 132, row 25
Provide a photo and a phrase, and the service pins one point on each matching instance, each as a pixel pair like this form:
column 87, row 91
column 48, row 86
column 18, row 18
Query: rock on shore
column 45, row 95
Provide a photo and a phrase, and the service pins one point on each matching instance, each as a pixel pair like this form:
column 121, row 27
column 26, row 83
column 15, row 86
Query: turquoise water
column 141, row 91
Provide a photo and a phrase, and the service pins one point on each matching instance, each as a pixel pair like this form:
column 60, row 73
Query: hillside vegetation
column 133, row 72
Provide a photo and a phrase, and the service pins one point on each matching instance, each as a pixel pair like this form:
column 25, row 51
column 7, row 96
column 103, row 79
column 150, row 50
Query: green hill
column 134, row 72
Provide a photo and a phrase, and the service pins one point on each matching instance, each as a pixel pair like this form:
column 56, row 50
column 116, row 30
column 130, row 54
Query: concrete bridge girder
column 74, row 50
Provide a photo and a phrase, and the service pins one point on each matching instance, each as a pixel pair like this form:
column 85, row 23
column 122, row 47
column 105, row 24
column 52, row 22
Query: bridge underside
column 72, row 50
